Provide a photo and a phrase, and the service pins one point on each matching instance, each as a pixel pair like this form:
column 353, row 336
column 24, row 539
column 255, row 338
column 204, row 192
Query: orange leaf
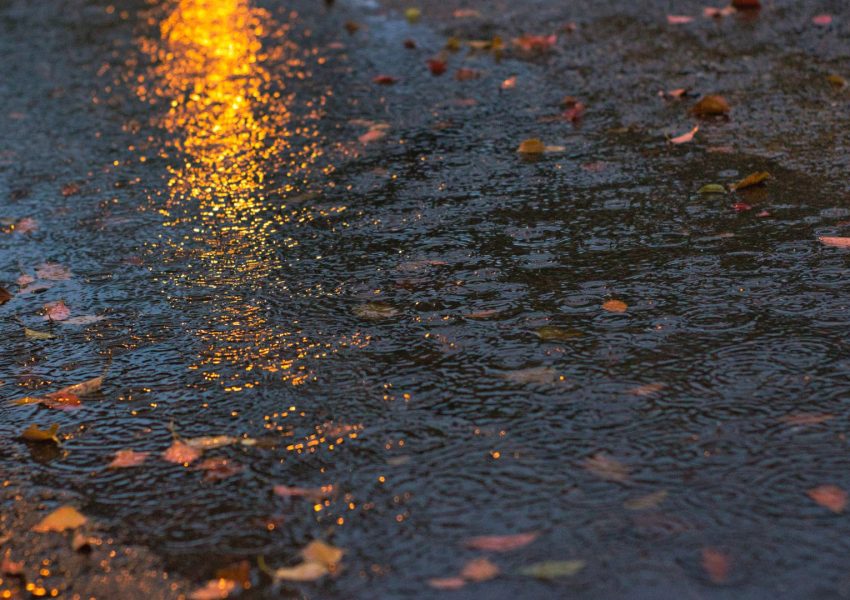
column 679, row 19
column 617, row 306
column 64, row 517
column 716, row 564
column 835, row 242
column 829, row 496
column 531, row 146
column 128, row 458
column 501, row 543
column 318, row 551
column 181, row 453
column 750, row 180
column 685, row 137
column 479, row 569
column 215, row 589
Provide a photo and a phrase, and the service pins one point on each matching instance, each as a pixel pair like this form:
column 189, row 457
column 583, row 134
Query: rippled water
column 230, row 225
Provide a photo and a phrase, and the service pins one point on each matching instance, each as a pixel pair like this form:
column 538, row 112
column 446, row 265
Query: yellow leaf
column 64, row 517
column 37, row 335
column 306, row 571
column 34, row 434
column 751, row 180
column 322, row 553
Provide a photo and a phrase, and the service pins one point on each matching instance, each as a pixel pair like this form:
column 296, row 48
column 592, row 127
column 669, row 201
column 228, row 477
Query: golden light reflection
column 240, row 143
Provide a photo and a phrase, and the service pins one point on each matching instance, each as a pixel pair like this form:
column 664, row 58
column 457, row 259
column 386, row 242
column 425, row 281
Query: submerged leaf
column 295, row 492
column 34, row 434
column 38, row 335
column 537, row 375
column 552, row 569
column 606, row 467
column 64, row 517
column 716, row 564
column 181, row 453
column 648, row 501
column 56, row 311
column 375, row 311
column 550, row 333
column 447, row 583
column 501, row 543
column 480, row 569
column 128, row 458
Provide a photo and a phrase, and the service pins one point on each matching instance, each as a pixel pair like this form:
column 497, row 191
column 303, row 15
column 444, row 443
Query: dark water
column 230, row 227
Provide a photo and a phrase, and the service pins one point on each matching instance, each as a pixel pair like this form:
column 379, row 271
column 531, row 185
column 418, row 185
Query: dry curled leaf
column 64, row 517
column 501, row 543
column 829, row 496
column 712, row 105
column 750, row 180
column 128, row 458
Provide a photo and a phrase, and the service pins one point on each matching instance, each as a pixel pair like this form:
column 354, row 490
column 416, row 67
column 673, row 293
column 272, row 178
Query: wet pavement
column 368, row 288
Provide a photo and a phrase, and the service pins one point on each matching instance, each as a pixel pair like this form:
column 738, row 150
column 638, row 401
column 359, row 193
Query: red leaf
column 575, row 113
column 742, row 207
column 384, row 79
column 437, row 66
column 501, row 543
column 829, row 496
column 716, row 565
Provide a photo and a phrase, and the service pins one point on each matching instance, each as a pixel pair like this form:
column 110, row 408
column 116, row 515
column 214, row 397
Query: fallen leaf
column 685, row 137
column 10, row 567
column 181, row 453
column 757, row 178
column 375, row 311
column 447, row 583
column 26, row 225
column 679, row 19
column 25, row 280
column 70, row 189
column 711, row 106
column 436, row 66
column 465, row 74
column 606, row 467
column 52, row 271
column 64, row 517
column 575, row 112
column 822, row 20
column 326, row 555
column 83, row 320
column 215, row 589
column 836, row 80
column 239, row 572
column 535, row 375
column 479, row 569
column 210, row 442
column 410, row 44
column 509, row 83
column 85, row 388
column 716, row 565
column 352, row 27
column 37, row 335
column 62, row 401
column 306, row 571
column 552, row 333
column 56, row 311
column 412, row 14
column 647, row 389
column 536, row 43
column 34, row 434
column 453, row 44
column 675, row 93
column 501, row 543
column 483, row 314
column 297, row 492
column 648, row 501
column 712, row 188
column 128, row 458
column 384, row 79
column 5, row 296
column 829, row 496
column 531, row 146
column 615, row 306
column 465, row 13
column 218, row 468
column 807, row 418
column 552, row 569
column 835, row 242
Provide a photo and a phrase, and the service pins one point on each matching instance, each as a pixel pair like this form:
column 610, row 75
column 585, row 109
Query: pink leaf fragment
column 835, row 242
column 26, row 225
column 501, row 543
column 685, row 137
column 52, row 271
column 128, row 458
column 56, row 311
column 822, row 20
column 679, row 19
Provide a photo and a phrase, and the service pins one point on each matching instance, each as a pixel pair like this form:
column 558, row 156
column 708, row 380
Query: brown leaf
column 750, row 180
column 501, row 543
column 465, row 74
column 606, row 467
column 716, row 565
column 34, row 434
column 5, row 296
column 384, row 79
column 711, row 106
column 531, row 146
column 128, row 458
column 181, row 453
column 615, row 306
column 436, row 66
column 64, row 517
column 479, row 569
column 70, row 189
column 829, row 496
